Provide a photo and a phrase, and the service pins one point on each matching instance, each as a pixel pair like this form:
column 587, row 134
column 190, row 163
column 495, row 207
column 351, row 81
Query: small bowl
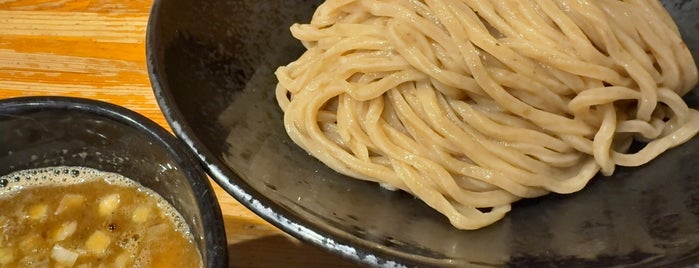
column 41, row 132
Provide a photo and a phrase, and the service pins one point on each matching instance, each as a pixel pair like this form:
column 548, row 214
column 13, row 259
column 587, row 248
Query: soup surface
column 82, row 217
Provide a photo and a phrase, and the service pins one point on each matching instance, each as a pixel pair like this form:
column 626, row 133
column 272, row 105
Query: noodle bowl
column 472, row 105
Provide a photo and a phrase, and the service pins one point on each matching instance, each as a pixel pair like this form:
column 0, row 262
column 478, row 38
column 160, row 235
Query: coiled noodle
column 470, row 105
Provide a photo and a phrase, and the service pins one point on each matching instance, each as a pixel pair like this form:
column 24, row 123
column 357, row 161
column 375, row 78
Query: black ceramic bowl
column 211, row 65
column 38, row 132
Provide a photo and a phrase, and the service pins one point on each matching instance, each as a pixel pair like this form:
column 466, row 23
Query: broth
column 82, row 217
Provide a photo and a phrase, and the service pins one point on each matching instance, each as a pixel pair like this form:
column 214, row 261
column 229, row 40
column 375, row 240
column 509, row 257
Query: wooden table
column 96, row 49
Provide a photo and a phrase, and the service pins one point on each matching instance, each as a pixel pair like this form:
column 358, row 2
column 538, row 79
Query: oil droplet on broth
column 64, row 203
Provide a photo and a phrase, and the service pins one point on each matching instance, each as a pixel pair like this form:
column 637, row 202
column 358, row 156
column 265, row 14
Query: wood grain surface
column 96, row 49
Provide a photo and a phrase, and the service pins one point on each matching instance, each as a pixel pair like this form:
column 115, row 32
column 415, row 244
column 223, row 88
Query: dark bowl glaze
column 38, row 132
column 211, row 65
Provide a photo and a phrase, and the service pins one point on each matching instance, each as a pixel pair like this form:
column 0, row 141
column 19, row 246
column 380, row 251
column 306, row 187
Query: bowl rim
column 211, row 216
column 240, row 190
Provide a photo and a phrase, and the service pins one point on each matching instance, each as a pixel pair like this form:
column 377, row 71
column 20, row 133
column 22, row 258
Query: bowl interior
column 45, row 132
column 211, row 65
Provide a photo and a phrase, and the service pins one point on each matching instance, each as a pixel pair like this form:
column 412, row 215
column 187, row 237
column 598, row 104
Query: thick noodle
column 470, row 105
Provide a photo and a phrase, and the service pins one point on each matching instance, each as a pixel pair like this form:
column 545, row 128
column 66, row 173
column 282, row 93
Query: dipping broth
column 82, row 217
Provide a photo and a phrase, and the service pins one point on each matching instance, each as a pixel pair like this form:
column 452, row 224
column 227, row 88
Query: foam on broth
column 82, row 217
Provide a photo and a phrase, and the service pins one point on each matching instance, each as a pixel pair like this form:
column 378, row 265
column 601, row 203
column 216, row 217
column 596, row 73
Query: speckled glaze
column 211, row 65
